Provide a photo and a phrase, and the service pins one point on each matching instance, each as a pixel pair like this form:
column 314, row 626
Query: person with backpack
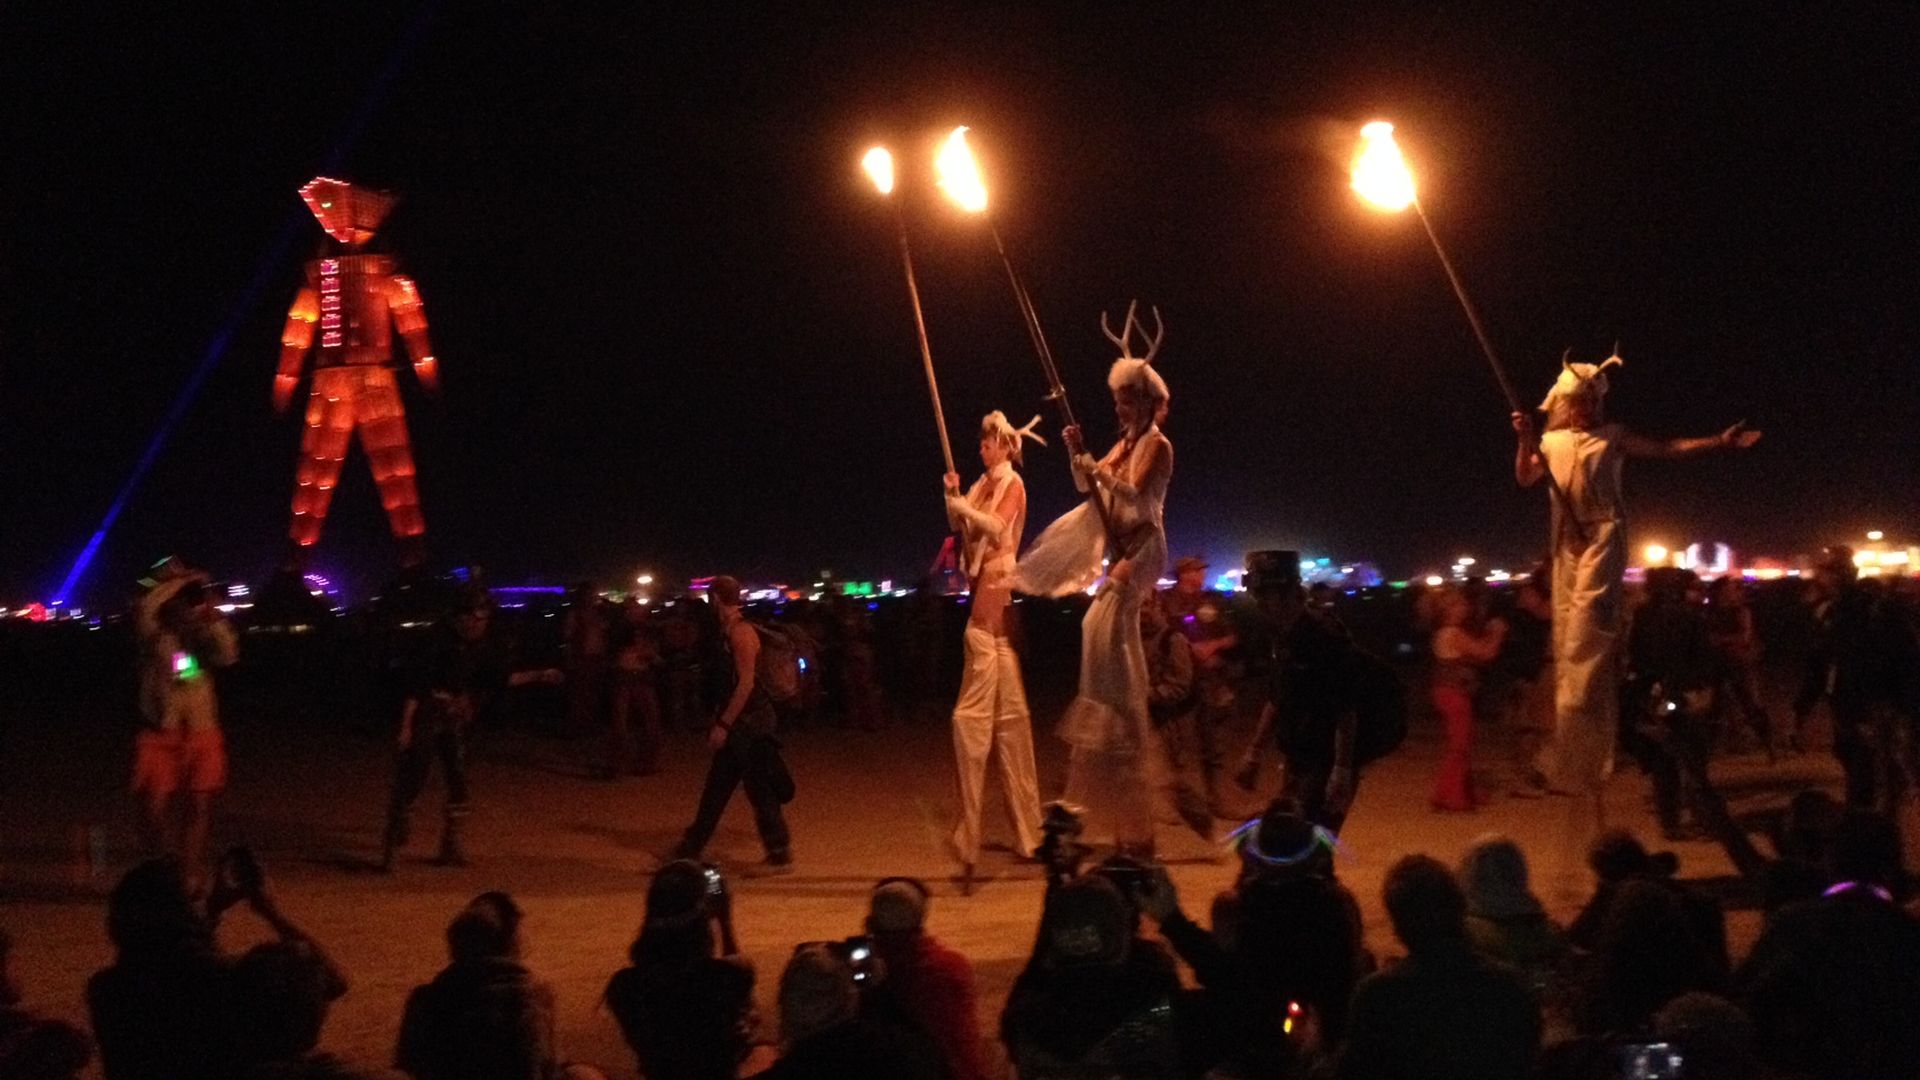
column 1331, row 706
column 990, row 716
column 745, row 752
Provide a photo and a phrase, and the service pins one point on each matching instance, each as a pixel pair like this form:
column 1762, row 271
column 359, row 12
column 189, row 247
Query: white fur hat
column 1132, row 371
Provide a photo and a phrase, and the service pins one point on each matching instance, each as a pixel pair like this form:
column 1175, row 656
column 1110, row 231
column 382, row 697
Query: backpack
column 1379, row 706
column 786, row 665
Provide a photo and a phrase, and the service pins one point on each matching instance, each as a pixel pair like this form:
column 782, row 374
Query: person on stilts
column 990, row 717
column 1110, row 772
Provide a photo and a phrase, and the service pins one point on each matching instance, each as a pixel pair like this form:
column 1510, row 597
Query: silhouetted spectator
column 484, row 1017
column 1444, row 1011
column 686, row 1003
column 1833, row 984
column 1714, row 1038
column 165, row 1008
column 33, row 1047
column 1094, row 1000
column 924, row 982
column 1649, row 953
column 824, row 1037
column 283, row 991
column 1505, row 921
column 1618, row 859
column 1288, row 932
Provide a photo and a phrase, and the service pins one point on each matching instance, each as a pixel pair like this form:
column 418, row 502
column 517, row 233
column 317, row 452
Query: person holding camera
column 922, row 981
column 685, row 1002
column 182, row 637
column 1095, row 998
column 168, row 1007
column 1280, row 963
column 824, row 1033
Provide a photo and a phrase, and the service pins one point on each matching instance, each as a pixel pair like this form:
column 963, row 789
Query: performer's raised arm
column 1527, row 466
column 1737, row 437
column 295, row 340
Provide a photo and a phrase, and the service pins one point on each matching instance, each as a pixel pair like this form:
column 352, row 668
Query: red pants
column 1453, row 787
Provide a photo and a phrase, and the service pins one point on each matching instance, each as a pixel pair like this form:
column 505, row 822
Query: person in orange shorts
column 180, row 748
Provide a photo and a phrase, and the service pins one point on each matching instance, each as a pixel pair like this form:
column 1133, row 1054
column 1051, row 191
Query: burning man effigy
column 1585, row 454
column 990, row 717
column 1107, row 724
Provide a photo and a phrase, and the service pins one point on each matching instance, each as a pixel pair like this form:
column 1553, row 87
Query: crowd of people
column 1279, row 983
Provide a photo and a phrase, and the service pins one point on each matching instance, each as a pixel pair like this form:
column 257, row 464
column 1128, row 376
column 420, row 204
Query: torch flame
column 960, row 174
column 1379, row 173
column 879, row 166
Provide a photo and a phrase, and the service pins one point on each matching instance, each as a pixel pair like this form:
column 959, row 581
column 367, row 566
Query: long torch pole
column 926, row 351
column 1493, row 361
column 1056, row 390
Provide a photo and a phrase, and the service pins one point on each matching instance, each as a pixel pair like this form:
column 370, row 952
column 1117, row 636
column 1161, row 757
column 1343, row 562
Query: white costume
column 991, row 712
column 1588, row 601
column 1112, row 765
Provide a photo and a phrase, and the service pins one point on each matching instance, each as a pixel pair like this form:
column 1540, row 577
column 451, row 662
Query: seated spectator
column 1833, row 983
column 824, row 1037
column 283, row 991
column 165, row 1008
column 1505, row 921
column 1649, row 953
column 1094, row 1000
column 484, row 1017
column 922, row 981
column 32, row 1046
column 1617, row 859
column 685, row 1004
column 1287, row 934
column 1443, row 1012
column 1714, row 1039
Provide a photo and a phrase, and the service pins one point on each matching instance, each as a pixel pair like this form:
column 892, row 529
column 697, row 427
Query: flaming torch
column 959, row 177
column 1381, row 178
column 879, row 166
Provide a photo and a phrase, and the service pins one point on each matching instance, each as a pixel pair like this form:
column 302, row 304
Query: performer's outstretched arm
column 1527, row 466
column 295, row 340
column 1737, row 437
column 410, row 318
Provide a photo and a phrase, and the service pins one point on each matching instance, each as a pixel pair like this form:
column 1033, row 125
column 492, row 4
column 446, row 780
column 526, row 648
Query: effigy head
column 349, row 214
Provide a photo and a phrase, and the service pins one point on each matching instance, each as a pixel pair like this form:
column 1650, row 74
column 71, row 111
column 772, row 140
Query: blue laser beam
column 264, row 273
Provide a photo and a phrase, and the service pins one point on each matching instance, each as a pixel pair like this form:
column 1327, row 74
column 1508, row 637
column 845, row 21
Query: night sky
column 674, row 334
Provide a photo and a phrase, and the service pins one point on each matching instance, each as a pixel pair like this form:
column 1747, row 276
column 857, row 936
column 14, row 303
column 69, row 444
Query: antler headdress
column 996, row 425
column 1129, row 370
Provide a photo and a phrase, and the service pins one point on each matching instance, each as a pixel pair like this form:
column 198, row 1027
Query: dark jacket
column 1095, row 1021
column 1441, row 1014
column 478, row 1020
column 857, row 1048
column 689, row 1021
column 165, row 1015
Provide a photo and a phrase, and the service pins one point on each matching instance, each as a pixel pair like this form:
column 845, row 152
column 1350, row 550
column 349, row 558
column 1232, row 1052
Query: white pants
column 992, row 714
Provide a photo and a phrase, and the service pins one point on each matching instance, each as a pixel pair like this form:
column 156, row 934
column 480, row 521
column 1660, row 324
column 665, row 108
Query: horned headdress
column 1130, row 370
column 1581, row 381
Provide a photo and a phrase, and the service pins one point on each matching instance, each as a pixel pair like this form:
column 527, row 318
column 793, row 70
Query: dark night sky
column 672, row 326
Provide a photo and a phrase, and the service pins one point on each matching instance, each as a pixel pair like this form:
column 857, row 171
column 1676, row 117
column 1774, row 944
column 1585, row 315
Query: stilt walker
column 1582, row 454
column 1110, row 771
column 990, row 718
